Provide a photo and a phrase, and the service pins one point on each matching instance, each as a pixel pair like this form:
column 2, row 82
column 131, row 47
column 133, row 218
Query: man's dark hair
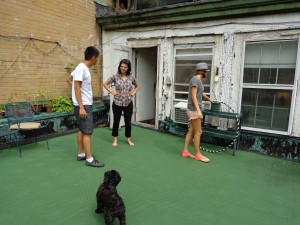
column 90, row 52
column 126, row 62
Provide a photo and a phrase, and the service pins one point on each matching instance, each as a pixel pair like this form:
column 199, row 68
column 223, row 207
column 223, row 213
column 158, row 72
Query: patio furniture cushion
column 26, row 126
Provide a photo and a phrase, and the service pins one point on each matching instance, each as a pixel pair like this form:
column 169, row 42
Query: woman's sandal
column 201, row 158
column 187, row 154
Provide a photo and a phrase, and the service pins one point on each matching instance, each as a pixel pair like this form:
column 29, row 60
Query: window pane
column 265, row 97
column 184, row 72
column 253, row 54
column 266, row 109
column 282, row 109
column 283, row 99
column 270, row 53
column 288, row 53
column 267, row 76
column 145, row 4
column 286, row 76
column 207, row 90
column 193, row 51
column 249, row 99
column 181, row 96
column 263, row 114
column 185, row 63
column 248, row 112
column 262, row 119
column 251, row 75
column 181, row 88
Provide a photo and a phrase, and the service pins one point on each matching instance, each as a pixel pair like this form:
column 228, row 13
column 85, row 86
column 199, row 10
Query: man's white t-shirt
column 82, row 73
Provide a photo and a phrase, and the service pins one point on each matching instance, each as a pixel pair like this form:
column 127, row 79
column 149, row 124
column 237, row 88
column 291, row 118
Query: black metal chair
column 21, row 117
column 8, row 137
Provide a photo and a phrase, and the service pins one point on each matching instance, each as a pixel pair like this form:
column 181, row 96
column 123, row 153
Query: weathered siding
column 38, row 39
column 227, row 37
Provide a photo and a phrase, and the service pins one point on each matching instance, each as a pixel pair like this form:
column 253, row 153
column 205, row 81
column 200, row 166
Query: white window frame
column 175, row 101
column 192, row 46
column 266, row 86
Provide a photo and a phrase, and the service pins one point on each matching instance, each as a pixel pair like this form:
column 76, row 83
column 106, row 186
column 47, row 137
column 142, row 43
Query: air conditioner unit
column 180, row 113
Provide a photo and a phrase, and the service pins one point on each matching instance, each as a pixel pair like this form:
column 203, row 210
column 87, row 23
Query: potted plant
column 41, row 99
column 49, row 107
column 62, row 104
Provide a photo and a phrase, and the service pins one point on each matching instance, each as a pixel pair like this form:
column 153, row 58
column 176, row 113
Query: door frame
column 134, row 66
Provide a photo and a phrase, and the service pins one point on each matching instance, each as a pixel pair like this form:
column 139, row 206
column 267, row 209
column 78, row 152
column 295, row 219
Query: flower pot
column 37, row 108
column 215, row 106
column 49, row 108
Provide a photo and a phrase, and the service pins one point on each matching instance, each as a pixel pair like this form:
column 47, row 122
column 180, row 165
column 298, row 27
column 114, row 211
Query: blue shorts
column 85, row 126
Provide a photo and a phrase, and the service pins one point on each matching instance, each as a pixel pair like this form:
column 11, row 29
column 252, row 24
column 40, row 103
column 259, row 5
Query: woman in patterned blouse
column 124, row 91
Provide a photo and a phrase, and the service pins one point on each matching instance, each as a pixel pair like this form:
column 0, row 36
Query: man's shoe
column 94, row 163
column 80, row 158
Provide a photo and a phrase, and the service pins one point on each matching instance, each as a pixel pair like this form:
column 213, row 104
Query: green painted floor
column 49, row 187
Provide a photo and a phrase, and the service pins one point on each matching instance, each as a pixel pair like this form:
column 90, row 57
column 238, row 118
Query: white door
column 119, row 53
column 146, row 73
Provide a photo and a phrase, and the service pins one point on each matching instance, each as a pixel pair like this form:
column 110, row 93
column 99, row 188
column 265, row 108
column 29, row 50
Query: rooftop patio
column 158, row 186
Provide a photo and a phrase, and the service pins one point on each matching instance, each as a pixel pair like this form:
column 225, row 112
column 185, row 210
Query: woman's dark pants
column 117, row 111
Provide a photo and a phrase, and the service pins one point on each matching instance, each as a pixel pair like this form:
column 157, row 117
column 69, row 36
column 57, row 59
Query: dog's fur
column 109, row 202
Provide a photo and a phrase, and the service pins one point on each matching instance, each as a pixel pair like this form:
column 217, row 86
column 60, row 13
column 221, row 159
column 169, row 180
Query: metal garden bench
column 20, row 117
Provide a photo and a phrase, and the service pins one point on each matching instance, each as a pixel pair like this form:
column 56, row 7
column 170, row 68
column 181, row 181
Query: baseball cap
column 202, row 66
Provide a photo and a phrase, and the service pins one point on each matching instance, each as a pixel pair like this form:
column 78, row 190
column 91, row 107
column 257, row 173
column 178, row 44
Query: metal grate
column 180, row 116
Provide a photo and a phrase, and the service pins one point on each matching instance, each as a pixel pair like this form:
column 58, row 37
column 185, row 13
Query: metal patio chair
column 8, row 136
column 21, row 117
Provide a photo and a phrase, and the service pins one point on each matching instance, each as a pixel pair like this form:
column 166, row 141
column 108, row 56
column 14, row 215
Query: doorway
column 145, row 60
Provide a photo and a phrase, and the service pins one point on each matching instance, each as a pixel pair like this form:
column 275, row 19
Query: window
column 186, row 59
column 269, row 84
column 145, row 4
column 123, row 5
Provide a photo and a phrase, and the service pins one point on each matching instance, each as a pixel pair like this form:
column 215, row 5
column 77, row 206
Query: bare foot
column 115, row 144
column 130, row 142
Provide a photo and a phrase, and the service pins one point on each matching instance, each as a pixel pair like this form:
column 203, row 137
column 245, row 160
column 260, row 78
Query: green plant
column 39, row 96
column 42, row 95
column 70, row 68
column 1, row 107
column 2, row 111
column 62, row 104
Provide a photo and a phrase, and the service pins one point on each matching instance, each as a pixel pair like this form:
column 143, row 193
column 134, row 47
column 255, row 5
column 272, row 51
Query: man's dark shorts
column 85, row 126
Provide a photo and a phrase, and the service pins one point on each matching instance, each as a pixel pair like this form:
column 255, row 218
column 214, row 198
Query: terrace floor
column 47, row 187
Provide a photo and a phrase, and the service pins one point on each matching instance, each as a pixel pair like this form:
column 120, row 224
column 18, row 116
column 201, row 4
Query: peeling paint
column 227, row 37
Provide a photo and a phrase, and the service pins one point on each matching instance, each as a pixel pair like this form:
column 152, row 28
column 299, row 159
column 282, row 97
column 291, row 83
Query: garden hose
column 236, row 134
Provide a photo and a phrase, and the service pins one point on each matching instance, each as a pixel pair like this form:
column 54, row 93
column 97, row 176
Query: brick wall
column 38, row 39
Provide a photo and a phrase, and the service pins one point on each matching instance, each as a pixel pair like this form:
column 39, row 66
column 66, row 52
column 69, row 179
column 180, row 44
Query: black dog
column 109, row 202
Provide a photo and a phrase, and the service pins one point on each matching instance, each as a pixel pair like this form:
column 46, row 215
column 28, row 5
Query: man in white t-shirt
column 82, row 96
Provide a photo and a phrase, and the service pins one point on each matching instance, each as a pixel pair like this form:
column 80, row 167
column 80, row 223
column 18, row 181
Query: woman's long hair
column 127, row 63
